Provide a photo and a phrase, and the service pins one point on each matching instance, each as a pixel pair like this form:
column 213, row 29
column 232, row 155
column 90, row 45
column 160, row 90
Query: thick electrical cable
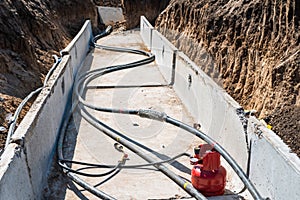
column 89, row 76
column 151, row 114
column 89, row 188
column 71, row 175
column 112, row 134
column 89, row 174
column 124, row 166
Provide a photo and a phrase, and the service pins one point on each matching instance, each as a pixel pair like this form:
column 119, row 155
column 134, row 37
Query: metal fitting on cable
column 153, row 114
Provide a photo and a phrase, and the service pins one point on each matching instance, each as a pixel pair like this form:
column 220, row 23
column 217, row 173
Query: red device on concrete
column 208, row 176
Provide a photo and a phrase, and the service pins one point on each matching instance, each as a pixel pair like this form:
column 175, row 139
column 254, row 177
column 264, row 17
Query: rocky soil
column 251, row 48
column 110, row 3
column 133, row 9
column 31, row 32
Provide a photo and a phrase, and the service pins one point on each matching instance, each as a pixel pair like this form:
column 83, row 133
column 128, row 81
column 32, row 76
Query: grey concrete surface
column 167, row 141
column 213, row 109
column 110, row 15
column 275, row 170
column 84, row 143
column 208, row 104
column 79, row 47
column 14, row 175
column 146, row 32
column 165, row 54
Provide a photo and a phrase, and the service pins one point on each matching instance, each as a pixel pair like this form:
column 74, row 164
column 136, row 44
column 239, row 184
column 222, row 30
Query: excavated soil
column 251, row 48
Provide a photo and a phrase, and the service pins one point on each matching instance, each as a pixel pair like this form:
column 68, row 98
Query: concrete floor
column 85, row 143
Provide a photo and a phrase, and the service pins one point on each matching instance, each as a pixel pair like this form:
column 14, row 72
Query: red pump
column 208, row 176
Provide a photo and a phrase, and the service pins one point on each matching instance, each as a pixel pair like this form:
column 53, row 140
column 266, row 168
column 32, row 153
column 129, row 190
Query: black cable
column 89, row 76
column 88, row 174
column 124, row 166
column 112, row 134
column 83, row 81
column 248, row 166
column 108, row 178
column 89, row 188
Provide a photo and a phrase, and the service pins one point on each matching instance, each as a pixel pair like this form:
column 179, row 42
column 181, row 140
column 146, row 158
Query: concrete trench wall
column 206, row 102
column 25, row 162
column 273, row 169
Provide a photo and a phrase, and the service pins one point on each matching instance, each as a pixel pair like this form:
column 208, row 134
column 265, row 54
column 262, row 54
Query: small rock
column 2, row 129
column 135, row 124
column 9, row 117
column 197, row 126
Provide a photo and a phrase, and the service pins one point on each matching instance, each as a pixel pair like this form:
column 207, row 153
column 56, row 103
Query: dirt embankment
column 252, row 48
column 133, row 9
column 31, row 32
column 110, row 3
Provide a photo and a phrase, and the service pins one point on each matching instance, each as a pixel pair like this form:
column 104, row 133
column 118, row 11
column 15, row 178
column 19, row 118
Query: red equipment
column 208, row 176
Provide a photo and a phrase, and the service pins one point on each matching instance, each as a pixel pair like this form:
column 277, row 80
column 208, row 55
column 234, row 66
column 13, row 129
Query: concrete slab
column 14, row 174
column 165, row 140
column 85, row 143
column 110, row 15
